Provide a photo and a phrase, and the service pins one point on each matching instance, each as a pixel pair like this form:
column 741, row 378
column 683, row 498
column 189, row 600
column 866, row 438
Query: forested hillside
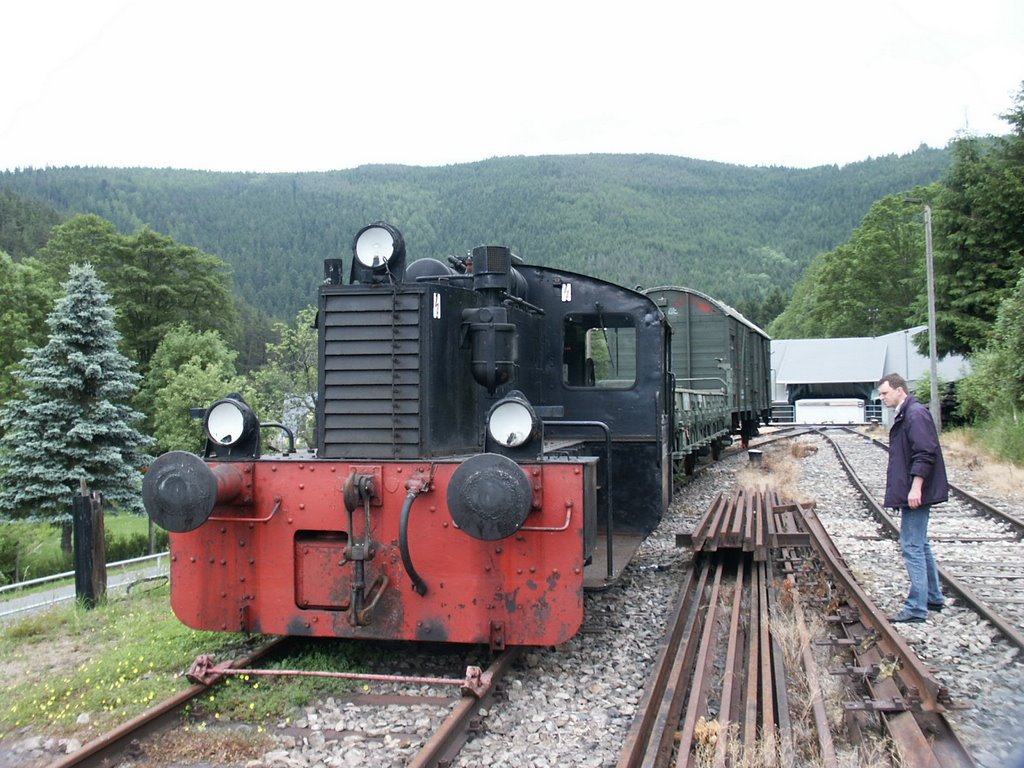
column 741, row 234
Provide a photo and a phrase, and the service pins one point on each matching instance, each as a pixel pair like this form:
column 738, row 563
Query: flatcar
column 721, row 369
column 492, row 437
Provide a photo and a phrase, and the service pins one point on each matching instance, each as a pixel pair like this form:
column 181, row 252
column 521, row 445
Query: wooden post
column 90, row 548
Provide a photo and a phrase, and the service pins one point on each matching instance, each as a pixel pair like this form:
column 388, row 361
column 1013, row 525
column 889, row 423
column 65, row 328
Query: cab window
column 599, row 351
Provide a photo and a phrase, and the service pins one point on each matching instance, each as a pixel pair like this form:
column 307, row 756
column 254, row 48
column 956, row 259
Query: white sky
column 298, row 86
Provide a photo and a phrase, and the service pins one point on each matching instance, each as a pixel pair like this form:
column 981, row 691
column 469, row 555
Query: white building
column 835, row 370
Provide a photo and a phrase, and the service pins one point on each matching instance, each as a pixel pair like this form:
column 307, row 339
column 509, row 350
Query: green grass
column 118, row 660
column 111, row 663
column 255, row 698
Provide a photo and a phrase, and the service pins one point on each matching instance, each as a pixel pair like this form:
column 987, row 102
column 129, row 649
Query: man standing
column 915, row 479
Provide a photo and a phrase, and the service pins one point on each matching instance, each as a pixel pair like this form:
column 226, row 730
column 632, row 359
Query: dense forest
column 744, row 235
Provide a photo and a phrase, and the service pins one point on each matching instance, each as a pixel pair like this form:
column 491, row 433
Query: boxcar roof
column 723, row 307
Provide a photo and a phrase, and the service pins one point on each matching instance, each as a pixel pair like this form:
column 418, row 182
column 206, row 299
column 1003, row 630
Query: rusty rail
column 453, row 733
column 101, row 750
column 719, row 685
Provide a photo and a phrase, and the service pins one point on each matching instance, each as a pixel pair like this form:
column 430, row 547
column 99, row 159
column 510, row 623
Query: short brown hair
column 895, row 381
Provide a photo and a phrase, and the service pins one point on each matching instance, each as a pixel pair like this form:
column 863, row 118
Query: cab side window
column 599, row 351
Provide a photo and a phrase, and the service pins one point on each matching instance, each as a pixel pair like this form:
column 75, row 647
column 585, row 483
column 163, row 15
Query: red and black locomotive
column 491, row 437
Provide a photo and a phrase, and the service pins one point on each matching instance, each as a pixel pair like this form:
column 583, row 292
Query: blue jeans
column 917, row 555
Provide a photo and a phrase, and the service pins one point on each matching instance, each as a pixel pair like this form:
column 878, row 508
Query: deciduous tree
column 982, row 234
column 871, row 285
column 154, row 282
column 286, row 386
column 190, row 369
column 26, row 293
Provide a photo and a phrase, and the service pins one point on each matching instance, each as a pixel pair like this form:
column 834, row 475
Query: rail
column 721, row 654
column 103, row 750
column 979, row 605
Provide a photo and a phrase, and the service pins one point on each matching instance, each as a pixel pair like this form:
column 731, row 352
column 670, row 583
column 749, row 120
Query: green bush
column 29, row 551
column 32, row 550
column 1004, row 436
column 125, row 546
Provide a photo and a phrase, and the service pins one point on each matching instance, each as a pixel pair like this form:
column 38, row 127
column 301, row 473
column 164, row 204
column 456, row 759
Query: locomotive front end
column 429, row 509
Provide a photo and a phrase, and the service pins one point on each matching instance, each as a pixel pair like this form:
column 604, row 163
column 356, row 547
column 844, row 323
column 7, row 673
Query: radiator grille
column 371, row 376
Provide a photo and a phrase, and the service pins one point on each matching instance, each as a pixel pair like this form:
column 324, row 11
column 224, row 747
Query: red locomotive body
column 283, row 563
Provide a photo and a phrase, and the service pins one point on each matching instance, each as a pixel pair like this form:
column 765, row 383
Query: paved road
column 118, row 580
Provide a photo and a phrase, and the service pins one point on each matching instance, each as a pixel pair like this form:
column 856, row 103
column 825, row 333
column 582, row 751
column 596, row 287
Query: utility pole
column 934, row 405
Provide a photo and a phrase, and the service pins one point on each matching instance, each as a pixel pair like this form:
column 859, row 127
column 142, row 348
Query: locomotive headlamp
column 512, row 421
column 232, row 428
column 379, row 253
column 226, row 421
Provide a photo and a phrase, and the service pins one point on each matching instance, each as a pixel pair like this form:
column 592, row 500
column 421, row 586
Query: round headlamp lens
column 511, row 423
column 225, row 423
column 374, row 247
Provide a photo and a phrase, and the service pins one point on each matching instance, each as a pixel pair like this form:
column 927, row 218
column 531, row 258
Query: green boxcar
column 717, row 350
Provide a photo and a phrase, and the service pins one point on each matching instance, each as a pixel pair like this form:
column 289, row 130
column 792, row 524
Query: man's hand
column 914, row 498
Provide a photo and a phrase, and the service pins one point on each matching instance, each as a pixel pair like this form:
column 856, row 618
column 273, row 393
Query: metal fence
column 61, row 592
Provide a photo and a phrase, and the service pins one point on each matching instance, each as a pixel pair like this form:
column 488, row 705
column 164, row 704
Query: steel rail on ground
column 909, row 699
column 100, row 751
column 992, row 511
column 454, row 731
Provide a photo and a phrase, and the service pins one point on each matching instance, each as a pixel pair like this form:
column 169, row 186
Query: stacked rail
column 748, row 520
column 719, row 692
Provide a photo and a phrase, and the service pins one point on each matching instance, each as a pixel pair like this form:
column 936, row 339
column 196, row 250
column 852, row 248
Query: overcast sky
column 300, row 86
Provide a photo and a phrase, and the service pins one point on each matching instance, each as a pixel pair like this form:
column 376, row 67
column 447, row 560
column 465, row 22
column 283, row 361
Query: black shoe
column 937, row 607
column 906, row 618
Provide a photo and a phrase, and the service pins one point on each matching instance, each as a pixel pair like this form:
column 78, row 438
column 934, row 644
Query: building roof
column 823, row 361
column 856, row 360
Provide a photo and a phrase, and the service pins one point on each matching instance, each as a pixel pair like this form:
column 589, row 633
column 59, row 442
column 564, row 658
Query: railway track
column 761, row 563
column 983, row 669
column 977, row 545
column 128, row 740
column 106, row 748
column 574, row 704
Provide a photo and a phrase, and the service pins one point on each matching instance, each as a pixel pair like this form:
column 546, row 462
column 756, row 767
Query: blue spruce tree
column 73, row 421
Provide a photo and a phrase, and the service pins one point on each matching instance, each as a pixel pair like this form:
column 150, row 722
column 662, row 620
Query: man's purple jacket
column 914, row 450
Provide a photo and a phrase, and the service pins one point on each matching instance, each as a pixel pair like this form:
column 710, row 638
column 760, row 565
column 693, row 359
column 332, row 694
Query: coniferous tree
column 72, row 422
